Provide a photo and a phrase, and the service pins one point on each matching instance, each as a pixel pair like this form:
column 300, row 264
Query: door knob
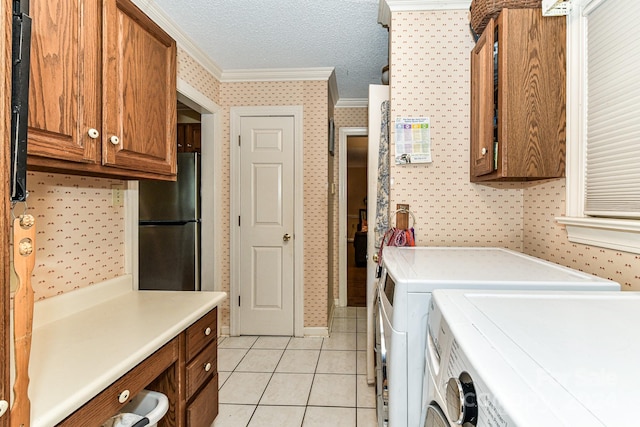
column 286, row 237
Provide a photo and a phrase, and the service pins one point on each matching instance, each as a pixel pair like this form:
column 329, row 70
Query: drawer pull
column 207, row 331
column 207, row 367
column 124, row 396
column 114, row 140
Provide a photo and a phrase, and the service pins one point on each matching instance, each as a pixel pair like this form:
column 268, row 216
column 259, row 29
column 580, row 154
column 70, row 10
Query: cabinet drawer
column 107, row 403
column 204, row 408
column 201, row 368
column 202, row 333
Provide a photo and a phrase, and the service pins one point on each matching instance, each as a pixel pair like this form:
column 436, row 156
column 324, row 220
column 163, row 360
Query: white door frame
column 342, row 208
column 211, row 167
column 210, row 202
column 298, row 264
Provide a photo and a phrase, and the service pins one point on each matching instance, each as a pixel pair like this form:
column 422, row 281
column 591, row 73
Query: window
column 603, row 112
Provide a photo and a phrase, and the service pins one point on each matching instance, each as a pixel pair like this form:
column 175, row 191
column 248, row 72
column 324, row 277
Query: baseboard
column 316, row 331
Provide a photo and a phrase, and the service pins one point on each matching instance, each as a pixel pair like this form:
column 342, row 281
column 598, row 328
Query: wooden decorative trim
column 5, row 230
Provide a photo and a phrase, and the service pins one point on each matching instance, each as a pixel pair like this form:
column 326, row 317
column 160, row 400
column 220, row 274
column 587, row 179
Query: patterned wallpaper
column 313, row 96
column 197, row 76
column 80, row 235
column 430, row 77
column 545, row 238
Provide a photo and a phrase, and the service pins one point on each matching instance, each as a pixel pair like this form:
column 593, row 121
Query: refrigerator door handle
column 196, row 240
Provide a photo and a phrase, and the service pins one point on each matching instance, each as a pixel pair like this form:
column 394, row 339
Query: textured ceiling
column 284, row 34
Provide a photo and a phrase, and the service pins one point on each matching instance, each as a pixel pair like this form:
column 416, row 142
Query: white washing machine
column 533, row 358
column 404, row 291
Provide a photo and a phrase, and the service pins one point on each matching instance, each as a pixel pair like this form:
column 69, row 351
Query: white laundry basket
column 146, row 405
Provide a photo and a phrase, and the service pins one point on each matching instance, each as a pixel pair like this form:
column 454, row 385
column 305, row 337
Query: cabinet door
column 192, row 138
column 64, row 86
column 482, row 103
column 197, row 137
column 182, row 141
column 139, row 92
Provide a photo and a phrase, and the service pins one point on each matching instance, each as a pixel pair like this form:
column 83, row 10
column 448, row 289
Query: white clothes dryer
column 534, row 358
column 410, row 275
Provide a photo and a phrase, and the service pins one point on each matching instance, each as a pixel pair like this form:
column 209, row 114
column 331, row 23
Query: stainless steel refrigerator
column 169, row 230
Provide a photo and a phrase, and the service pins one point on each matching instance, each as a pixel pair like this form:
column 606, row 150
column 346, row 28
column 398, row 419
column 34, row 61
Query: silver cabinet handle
column 114, row 140
column 286, row 237
column 93, row 133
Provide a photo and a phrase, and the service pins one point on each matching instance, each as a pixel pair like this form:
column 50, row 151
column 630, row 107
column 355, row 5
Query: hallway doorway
column 356, row 220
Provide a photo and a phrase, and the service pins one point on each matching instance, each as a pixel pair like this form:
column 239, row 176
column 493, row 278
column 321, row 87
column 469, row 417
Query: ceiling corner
column 184, row 42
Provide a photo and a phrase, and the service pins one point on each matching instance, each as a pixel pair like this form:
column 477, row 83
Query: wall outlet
column 117, row 195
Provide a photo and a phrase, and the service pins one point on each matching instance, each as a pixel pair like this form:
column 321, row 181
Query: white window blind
column 613, row 109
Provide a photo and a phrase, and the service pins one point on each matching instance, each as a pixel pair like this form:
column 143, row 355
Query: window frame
column 612, row 233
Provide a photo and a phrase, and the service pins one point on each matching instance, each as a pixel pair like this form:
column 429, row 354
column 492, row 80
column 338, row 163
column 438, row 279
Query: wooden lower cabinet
column 201, row 371
column 107, row 403
column 185, row 370
column 204, row 408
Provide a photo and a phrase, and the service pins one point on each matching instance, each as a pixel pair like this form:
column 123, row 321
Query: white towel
column 123, row 420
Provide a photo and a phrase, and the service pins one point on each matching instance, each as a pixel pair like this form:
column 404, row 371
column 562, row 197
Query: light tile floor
column 294, row 382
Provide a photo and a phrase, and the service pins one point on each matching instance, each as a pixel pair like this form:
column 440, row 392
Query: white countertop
column 82, row 345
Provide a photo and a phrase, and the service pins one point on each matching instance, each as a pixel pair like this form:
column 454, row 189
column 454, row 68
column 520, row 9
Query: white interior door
column 266, row 265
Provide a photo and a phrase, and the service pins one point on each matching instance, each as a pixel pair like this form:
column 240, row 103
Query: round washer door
column 435, row 417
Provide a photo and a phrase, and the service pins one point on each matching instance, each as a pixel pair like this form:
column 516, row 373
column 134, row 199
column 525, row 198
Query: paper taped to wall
column 413, row 140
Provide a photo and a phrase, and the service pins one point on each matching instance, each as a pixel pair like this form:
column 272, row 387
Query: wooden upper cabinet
column 64, row 86
column 139, row 67
column 518, row 98
column 189, row 137
column 482, row 104
column 102, row 91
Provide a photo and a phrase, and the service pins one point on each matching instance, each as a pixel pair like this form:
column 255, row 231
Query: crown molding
column 184, row 42
column 187, row 44
column 276, row 74
column 385, row 7
column 353, row 103
column 285, row 74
